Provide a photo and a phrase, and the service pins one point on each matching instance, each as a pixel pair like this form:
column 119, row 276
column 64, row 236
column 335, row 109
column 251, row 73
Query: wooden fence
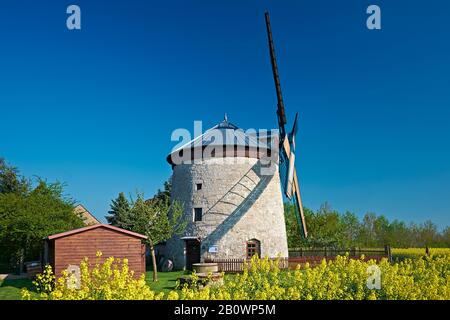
column 311, row 256
column 333, row 252
column 237, row 265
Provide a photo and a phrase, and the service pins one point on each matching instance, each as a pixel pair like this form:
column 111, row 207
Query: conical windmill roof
column 225, row 134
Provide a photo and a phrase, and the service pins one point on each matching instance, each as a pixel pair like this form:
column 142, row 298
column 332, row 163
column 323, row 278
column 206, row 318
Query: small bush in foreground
column 110, row 280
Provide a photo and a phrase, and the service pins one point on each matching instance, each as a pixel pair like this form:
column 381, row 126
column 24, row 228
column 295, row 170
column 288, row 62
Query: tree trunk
column 18, row 261
column 155, row 271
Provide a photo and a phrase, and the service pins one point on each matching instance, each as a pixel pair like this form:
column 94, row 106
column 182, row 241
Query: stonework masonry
column 239, row 202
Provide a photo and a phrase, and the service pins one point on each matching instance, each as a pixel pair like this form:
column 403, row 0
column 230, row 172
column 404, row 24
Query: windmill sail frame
column 287, row 142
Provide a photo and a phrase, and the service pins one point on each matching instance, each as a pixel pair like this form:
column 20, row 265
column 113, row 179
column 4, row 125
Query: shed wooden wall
column 73, row 248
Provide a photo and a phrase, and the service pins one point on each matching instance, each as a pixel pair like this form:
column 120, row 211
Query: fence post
column 387, row 250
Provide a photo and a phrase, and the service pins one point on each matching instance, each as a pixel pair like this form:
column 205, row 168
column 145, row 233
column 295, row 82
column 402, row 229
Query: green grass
column 166, row 280
column 10, row 289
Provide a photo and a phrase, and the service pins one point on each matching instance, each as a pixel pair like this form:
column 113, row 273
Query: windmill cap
column 225, row 134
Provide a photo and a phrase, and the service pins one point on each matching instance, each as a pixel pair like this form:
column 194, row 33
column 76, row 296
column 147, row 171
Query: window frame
column 252, row 247
column 194, row 214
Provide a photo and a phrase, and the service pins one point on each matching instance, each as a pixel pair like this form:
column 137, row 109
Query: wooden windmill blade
column 276, row 78
column 287, row 142
column 295, row 191
column 290, row 147
column 290, row 166
column 298, row 203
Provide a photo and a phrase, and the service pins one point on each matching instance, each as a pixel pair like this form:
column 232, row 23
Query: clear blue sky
column 95, row 108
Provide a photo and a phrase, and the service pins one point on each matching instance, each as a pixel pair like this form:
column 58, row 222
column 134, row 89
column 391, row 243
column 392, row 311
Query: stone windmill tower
column 228, row 182
column 231, row 193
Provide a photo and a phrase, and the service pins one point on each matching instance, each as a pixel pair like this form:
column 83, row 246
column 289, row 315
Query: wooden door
column 192, row 253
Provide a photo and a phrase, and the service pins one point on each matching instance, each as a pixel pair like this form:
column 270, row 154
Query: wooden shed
column 70, row 248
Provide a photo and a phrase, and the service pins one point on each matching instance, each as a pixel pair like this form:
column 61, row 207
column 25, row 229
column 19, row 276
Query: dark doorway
column 192, row 253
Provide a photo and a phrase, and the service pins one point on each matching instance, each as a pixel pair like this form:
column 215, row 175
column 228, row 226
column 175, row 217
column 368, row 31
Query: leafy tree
column 25, row 219
column 367, row 234
column 351, row 229
column 162, row 195
column 381, row 229
column 163, row 221
column 327, row 227
column 399, row 234
column 120, row 208
column 428, row 233
column 446, row 237
column 293, row 231
column 10, row 179
column 157, row 218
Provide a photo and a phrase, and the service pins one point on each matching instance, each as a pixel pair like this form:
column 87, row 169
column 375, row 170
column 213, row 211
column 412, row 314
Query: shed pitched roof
column 107, row 226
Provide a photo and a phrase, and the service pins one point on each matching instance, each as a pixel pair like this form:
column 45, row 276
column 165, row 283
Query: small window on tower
column 198, row 186
column 198, row 213
column 253, row 248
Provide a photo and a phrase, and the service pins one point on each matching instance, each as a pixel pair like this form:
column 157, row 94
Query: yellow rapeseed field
column 423, row 277
column 402, row 253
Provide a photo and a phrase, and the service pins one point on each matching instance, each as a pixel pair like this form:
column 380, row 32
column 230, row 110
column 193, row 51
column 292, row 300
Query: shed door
column 192, row 253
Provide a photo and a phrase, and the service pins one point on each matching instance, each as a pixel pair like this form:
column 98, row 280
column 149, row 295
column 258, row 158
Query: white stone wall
column 239, row 204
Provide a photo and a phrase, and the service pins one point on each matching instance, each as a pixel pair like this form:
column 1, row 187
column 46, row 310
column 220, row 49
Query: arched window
column 253, row 247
